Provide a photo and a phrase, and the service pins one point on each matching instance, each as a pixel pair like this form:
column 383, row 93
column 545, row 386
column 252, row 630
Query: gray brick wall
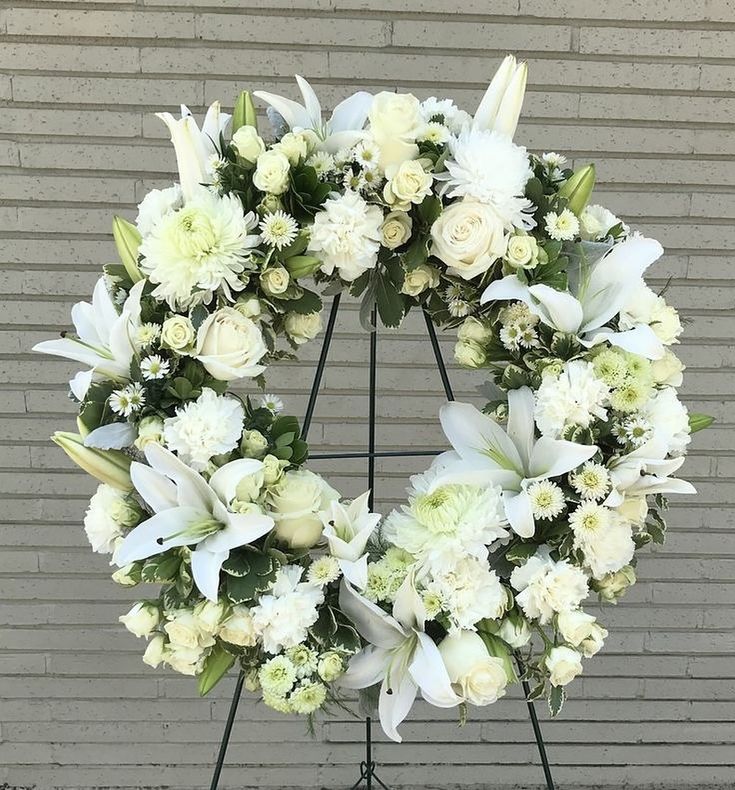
column 644, row 87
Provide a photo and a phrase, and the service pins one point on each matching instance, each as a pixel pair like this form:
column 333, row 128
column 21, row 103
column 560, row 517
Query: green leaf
column 198, row 315
column 416, row 254
column 215, row 668
column 519, row 553
column 698, row 422
column 346, row 638
column 325, row 627
column 308, row 302
column 388, row 298
column 429, row 210
column 285, row 424
column 514, row 377
column 248, row 573
column 556, row 700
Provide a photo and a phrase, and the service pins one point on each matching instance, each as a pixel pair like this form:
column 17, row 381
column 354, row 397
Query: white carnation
column 346, row 235
column 574, row 397
column 282, row 618
column 546, row 587
column 595, row 222
column 489, row 167
column 210, row 425
column 157, row 204
column 199, row 249
column 644, row 306
column 669, row 421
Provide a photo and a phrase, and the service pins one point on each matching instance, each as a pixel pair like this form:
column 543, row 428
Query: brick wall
column 643, row 87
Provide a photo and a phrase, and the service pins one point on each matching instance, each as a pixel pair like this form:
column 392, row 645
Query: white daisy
column 434, row 132
column 510, row 337
column 278, row 229
column 563, row 226
column 547, row 499
column 271, row 402
column 587, row 519
column 119, row 402
column 552, row 160
column 459, row 308
column 636, row 430
column 136, row 396
column 155, row 367
column 322, row 162
column 146, row 335
column 367, row 154
column 591, row 481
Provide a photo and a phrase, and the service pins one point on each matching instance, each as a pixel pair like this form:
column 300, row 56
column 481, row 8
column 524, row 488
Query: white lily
column 347, row 530
column 595, row 296
column 513, row 458
column 188, row 511
column 196, row 149
column 342, row 130
column 103, row 340
column 638, row 476
column 500, row 107
column 399, row 654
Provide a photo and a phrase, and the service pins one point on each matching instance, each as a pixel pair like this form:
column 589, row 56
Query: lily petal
column 143, row 541
column 351, row 113
column 521, row 425
column 640, row 339
column 225, row 480
column 311, row 103
column 519, row 513
column 395, row 701
column 156, row 489
column 205, row 569
column 365, row 668
column 371, row 621
column 554, row 457
column 192, row 489
column 563, row 311
column 487, row 110
column 293, row 113
column 242, row 529
column 114, row 436
column 430, row 674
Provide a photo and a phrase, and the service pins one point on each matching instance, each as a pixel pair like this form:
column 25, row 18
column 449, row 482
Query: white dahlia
column 346, row 235
column 201, row 248
column 489, row 167
column 574, row 397
column 210, row 425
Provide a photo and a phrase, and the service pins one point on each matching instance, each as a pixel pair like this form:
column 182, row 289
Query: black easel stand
column 368, row 776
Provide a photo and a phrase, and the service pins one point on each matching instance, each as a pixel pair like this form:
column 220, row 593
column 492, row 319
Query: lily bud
column 108, row 466
column 698, row 422
column 302, row 265
column 127, row 240
column 244, row 112
column 577, row 189
column 500, row 107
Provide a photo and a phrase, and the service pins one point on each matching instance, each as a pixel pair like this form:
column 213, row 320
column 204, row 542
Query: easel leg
column 536, row 728
column 224, row 743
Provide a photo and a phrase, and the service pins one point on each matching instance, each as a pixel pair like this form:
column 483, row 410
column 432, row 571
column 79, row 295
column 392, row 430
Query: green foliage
column 556, row 699
column 248, row 572
column 306, row 194
column 215, row 668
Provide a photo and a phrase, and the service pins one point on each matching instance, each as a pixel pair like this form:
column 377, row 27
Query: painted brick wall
column 643, row 87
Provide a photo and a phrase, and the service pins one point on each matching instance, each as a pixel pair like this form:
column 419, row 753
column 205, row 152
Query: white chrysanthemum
column 157, row 204
column 468, row 591
column 605, row 538
column 278, row 229
column 644, row 306
column 489, row 167
column 574, row 397
column 323, row 162
column 304, row 659
column 547, row 499
column 595, row 222
column 553, row 161
column 563, row 226
column 307, row 697
column 434, row 132
column 271, row 402
column 517, row 313
column 452, row 116
column 277, row 676
column 199, row 249
column 210, row 425
column 346, row 235
column 323, row 571
column 283, row 617
column 592, row 481
column 546, row 587
column 154, row 367
column 450, row 522
column 146, row 335
column 109, row 515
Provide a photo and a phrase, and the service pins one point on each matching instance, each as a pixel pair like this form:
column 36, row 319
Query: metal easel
column 368, row 776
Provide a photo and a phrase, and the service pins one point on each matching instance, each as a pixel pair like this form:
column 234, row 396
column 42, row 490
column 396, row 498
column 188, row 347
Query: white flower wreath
column 546, row 494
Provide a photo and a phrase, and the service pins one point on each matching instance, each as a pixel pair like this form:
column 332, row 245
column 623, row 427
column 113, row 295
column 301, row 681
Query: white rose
column 395, row 123
column 108, row 513
column 418, row 279
column 634, row 509
column 469, row 354
column 302, row 327
column 186, row 660
column 249, row 306
column 293, row 146
column 273, row 469
column 184, row 629
column 613, row 585
column 515, row 631
column 253, row 444
column 275, row 280
column 666, row 324
column 668, row 370
column 564, row 664
column 396, row 229
column 575, row 626
column 126, row 577
column 594, row 641
column 295, row 502
column 469, row 237
column 150, row 430
column 271, row 173
column 209, row 614
column 522, row 251
column 330, row 667
column 142, row 619
column 248, row 143
column 249, row 487
column 153, row 654
column 407, row 183
column 595, row 222
column 238, row 628
column 178, row 334
column 230, row 345
column 479, row 677
column 474, row 329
